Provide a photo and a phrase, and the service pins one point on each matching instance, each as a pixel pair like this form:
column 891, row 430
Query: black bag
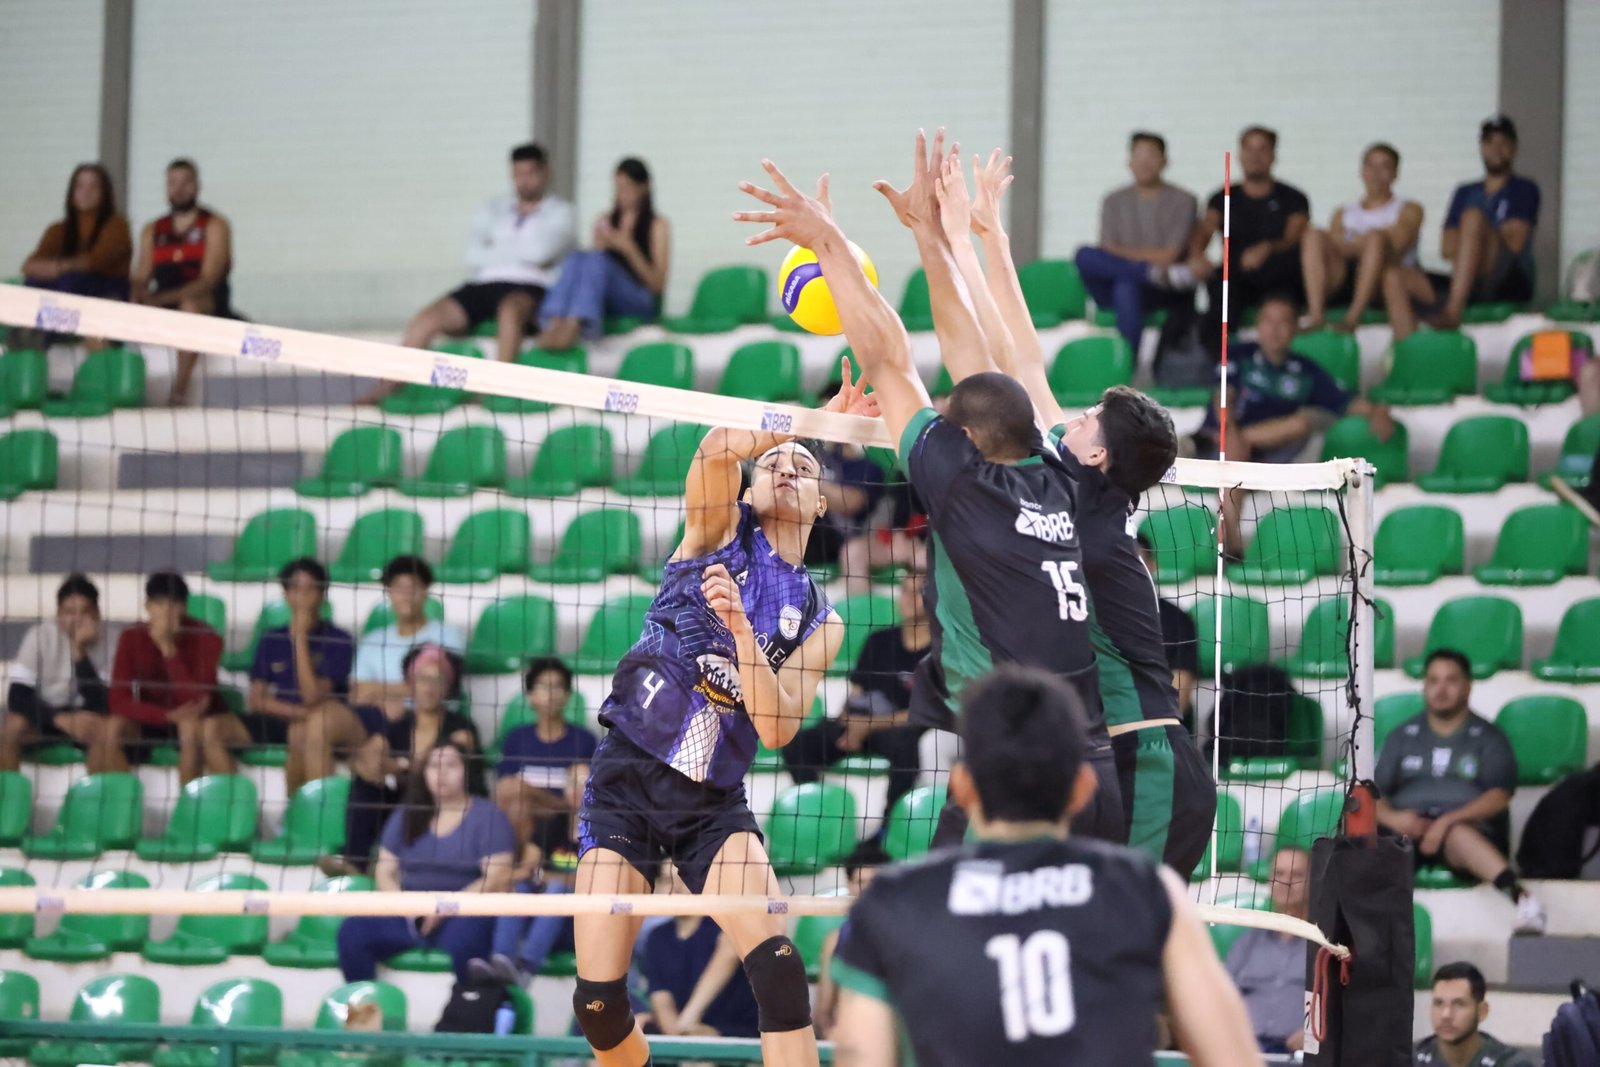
column 1574, row 1037
column 1182, row 360
column 472, row 1007
column 1552, row 841
column 1254, row 712
column 1361, row 897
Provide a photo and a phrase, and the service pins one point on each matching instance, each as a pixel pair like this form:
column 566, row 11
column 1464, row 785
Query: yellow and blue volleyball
column 804, row 291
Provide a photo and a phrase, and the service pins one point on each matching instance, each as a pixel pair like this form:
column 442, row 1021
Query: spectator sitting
column 544, row 765
column 379, row 675
column 1487, row 237
column 1269, row 220
column 1445, row 779
column 876, row 719
column 1346, row 262
column 852, row 485
column 1145, row 230
column 185, row 257
column 1269, row 967
column 88, row 251
column 1459, row 1007
column 1179, row 636
column 901, row 542
column 860, row 868
column 444, row 839
column 164, row 685
column 57, row 682
column 697, row 983
column 624, row 274
column 516, row 246
column 380, row 768
column 299, row 681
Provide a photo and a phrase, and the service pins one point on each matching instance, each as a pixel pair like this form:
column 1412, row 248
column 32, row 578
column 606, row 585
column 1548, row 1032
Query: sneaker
column 1180, row 277
column 1531, row 918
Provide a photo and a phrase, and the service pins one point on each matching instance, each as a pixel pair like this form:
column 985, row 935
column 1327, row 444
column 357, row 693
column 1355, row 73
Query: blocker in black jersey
column 1042, row 952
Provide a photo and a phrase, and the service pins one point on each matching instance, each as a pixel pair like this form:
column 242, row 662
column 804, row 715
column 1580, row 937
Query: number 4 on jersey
column 1069, row 591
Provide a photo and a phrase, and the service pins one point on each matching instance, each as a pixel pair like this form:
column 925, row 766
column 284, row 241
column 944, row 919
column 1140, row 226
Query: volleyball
column 804, row 291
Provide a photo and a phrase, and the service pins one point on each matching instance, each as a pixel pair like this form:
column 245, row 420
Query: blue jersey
column 676, row 694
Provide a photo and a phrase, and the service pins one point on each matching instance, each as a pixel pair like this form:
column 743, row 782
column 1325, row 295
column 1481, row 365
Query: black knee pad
column 778, row 979
column 604, row 1012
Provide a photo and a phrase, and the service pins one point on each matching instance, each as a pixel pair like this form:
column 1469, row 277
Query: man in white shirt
column 379, row 677
column 514, row 253
column 57, row 683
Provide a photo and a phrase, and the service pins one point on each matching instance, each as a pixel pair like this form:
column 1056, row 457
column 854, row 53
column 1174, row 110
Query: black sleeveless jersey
column 1043, row 952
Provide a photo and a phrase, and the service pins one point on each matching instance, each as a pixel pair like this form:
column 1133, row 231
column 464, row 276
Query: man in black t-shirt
column 1269, row 219
column 876, row 719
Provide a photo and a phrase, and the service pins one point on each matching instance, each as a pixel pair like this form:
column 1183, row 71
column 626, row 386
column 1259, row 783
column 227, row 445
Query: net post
column 1359, row 498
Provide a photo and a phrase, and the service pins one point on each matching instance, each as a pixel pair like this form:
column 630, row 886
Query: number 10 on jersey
column 1070, row 593
column 1035, row 983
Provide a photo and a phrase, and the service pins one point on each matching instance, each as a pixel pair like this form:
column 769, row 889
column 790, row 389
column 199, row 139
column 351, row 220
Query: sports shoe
column 1531, row 918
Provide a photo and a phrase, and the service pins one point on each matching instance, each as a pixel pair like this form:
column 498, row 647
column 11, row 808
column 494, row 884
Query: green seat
column 652, row 569
column 423, row 960
column 314, row 940
column 274, row 613
column 24, row 379
column 233, row 1003
column 595, row 544
column 1150, row 320
column 665, row 463
column 268, row 541
column 862, row 614
column 82, row 937
column 909, row 828
column 1576, row 656
column 1389, row 712
column 487, row 544
column 659, row 363
column 1352, row 438
column 312, row 827
column 1479, row 455
column 1538, row 545
column 27, row 461
column 214, row 814
column 106, row 380
column 1418, row 545
column 726, row 298
column 54, row 753
column 210, row 610
column 382, row 614
column 334, row 1009
column 1184, row 539
column 464, row 459
column 359, row 460
column 100, row 812
column 16, row 807
column 1422, row 967
column 943, row 384
column 19, row 1002
column 109, row 1000
column 1549, row 734
column 571, row 360
column 1228, row 838
column 1302, row 747
column 768, row 371
column 811, row 826
column 207, row 940
column 374, row 539
column 570, row 459
column 1578, row 449
column 511, row 631
column 415, row 399
column 1291, row 545
column 1053, row 291
column 1309, row 816
column 517, row 714
column 1489, row 311
column 1246, row 635
column 811, row 933
column 1486, row 629
column 1511, row 389
column 1086, row 368
column 1430, row 367
column 16, row 927
column 1322, row 652
column 1335, row 352
column 916, row 308
column 612, row 630
column 1573, row 311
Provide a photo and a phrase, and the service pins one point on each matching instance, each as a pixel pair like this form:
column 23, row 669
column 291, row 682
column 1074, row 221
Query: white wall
column 49, row 113
column 349, row 143
column 702, row 90
column 1330, row 78
column 1580, row 185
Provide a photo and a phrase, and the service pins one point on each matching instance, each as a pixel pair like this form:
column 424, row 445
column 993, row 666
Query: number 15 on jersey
column 1070, row 594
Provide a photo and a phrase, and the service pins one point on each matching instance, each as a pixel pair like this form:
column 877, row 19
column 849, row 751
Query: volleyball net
column 545, row 494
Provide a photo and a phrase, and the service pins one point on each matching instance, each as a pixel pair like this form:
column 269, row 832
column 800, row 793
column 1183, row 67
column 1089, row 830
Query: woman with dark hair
column 625, row 273
column 445, row 839
column 89, row 251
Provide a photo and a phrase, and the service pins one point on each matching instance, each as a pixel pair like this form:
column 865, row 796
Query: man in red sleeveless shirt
column 184, row 260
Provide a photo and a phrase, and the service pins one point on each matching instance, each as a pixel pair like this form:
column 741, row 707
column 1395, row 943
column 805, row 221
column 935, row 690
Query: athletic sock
column 1506, row 882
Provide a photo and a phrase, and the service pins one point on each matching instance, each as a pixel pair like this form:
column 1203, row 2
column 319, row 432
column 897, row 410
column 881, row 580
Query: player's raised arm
column 992, row 180
column 955, row 218
column 1208, row 1015
column 876, row 334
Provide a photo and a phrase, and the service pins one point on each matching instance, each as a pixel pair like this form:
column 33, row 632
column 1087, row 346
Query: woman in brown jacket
column 89, row 251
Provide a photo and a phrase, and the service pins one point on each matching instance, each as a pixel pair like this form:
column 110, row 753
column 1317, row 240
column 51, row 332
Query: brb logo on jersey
column 1055, row 526
column 719, row 681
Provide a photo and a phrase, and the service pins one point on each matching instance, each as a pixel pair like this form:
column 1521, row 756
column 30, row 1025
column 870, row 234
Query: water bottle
column 1252, row 839
column 505, row 1017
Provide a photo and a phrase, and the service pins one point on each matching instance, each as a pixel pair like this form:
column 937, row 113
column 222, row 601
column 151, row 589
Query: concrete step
column 205, row 470
column 138, row 554
column 1549, row 964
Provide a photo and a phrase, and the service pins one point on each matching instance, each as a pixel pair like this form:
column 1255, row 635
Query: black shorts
column 1507, row 281
column 266, row 729
column 481, row 300
column 1497, row 831
column 1102, row 818
column 43, row 719
column 1168, row 795
column 640, row 808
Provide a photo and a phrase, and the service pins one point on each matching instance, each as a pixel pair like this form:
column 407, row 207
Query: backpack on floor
column 1552, row 841
column 472, row 1007
column 1574, row 1037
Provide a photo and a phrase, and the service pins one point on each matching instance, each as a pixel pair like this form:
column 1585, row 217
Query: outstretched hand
column 918, row 203
column 852, row 397
column 992, row 180
column 955, row 206
column 805, row 220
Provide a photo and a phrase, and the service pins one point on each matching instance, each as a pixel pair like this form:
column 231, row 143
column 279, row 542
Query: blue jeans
column 367, row 940
column 593, row 285
column 528, row 939
column 1119, row 284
